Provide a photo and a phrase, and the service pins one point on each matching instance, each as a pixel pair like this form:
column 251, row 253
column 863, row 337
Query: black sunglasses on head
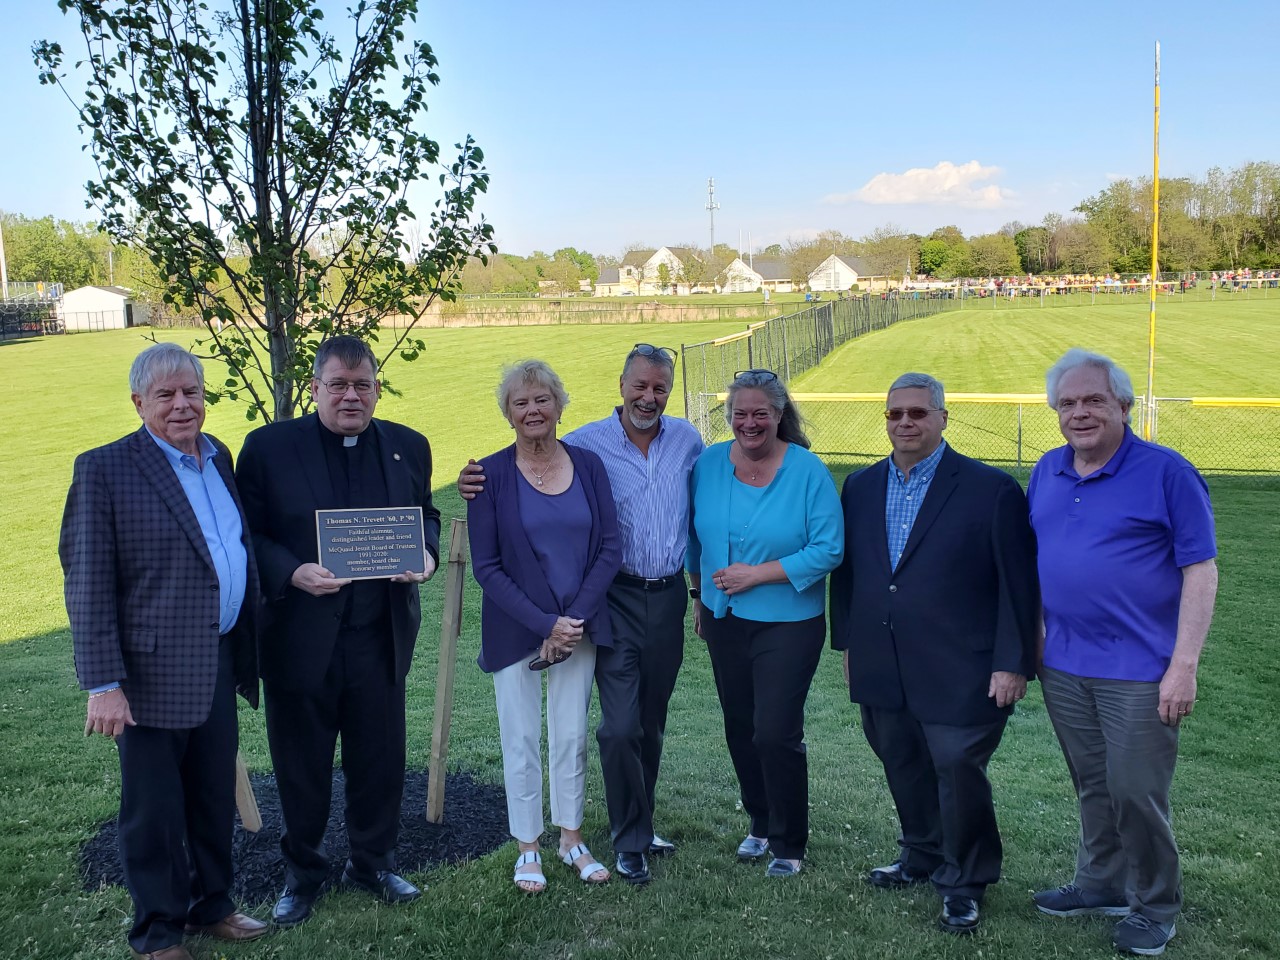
column 649, row 350
column 760, row 374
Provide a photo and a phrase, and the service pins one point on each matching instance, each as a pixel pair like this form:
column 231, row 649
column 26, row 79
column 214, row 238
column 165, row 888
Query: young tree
column 888, row 250
column 1032, row 244
column 993, row 254
column 932, row 257
column 264, row 170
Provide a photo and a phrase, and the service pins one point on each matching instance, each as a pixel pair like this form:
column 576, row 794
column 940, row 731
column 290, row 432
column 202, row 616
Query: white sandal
column 528, row 857
column 590, row 870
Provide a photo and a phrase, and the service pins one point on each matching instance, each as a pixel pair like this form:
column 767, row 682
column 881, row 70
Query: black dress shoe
column 292, row 908
column 959, row 915
column 385, row 885
column 896, row 876
column 633, row 868
column 658, row 847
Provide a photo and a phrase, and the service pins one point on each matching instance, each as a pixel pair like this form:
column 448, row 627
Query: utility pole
column 4, row 268
column 712, row 207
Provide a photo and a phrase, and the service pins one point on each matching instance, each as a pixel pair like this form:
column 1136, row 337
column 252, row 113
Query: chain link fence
column 788, row 346
column 1220, row 435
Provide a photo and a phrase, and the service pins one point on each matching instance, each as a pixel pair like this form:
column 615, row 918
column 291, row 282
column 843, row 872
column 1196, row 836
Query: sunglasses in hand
column 541, row 663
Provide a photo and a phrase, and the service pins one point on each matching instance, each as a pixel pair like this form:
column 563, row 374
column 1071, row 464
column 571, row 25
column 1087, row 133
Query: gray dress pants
column 1121, row 759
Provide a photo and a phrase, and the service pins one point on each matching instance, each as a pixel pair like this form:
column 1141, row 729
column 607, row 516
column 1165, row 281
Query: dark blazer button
column 893, row 588
column 214, row 624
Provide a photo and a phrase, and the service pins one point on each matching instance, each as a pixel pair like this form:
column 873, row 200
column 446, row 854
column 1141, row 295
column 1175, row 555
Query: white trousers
column 519, row 694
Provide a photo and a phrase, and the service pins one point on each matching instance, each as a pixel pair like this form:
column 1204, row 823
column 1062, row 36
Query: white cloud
column 945, row 184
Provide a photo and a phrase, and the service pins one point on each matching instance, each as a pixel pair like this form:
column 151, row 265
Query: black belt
column 656, row 583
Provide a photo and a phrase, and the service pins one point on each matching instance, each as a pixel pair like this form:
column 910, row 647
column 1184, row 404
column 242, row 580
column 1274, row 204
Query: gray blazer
column 140, row 586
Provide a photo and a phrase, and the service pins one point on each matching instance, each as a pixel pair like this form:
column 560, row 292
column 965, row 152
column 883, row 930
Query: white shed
column 102, row 308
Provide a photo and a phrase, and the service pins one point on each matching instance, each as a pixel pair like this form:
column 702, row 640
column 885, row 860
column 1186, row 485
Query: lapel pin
column 395, row 456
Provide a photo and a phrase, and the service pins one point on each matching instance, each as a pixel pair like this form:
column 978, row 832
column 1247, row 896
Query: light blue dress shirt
column 795, row 520
column 902, row 499
column 219, row 521
column 651, row 493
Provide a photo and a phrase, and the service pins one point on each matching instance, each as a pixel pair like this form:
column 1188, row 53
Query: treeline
column 1225, row 220
column 43, row 249
column 1228, row 219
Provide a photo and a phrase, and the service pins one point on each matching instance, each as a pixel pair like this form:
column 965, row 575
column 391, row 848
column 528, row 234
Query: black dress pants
column 938, row 777
column 177, row 813
column 360, row 700
column 763, row 672
column 635, row 679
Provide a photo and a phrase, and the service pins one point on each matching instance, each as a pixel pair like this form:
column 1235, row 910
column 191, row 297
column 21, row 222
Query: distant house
column 775, row 274
column 688, row 271
column 609, row 283
column 102, row 308
column 739, row 277
column 632, row 270
column 639, row 273
column 839, row 272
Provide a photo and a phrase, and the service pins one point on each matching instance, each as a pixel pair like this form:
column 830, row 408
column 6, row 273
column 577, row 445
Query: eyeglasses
column 911, row 413
column 541, row 663
column 649, row 350
column 339, row 388
column 764, row 376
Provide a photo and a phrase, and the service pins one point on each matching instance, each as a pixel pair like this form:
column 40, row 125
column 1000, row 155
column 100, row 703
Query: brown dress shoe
column 176, row 952
column 237, row 926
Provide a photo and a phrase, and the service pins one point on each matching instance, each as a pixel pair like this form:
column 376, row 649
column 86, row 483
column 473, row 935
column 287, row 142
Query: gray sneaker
column 1069, row 900
column 1142, row 935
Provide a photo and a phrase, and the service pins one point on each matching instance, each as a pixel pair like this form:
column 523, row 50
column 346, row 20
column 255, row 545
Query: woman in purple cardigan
column 544, row 549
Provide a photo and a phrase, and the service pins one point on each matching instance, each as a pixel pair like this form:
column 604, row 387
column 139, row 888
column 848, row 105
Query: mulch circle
column 475, row 824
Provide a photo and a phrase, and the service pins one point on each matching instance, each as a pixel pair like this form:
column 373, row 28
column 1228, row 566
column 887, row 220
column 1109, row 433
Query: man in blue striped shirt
column 648, row 457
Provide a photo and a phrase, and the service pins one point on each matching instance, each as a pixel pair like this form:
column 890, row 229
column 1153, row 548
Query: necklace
column 756, row 466
column 545, row 470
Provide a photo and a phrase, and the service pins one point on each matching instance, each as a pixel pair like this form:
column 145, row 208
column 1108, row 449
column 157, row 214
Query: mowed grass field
column 1223, row 348
column 1219, row 349
column 56, row 788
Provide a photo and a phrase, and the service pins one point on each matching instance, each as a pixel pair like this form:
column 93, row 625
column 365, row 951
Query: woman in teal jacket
column 765, row 530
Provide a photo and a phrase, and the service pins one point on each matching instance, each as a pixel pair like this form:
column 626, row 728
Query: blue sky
column 602, row 122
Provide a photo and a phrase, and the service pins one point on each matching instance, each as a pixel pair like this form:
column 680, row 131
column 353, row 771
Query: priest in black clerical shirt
column 334, row 653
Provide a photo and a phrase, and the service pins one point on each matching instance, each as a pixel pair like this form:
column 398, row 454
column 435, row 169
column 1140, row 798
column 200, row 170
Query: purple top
column 1111, row 547
column 559, row 528
column 519, row 608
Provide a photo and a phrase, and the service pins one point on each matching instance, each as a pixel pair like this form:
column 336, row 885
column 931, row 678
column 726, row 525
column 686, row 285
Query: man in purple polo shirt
column 1128, row 580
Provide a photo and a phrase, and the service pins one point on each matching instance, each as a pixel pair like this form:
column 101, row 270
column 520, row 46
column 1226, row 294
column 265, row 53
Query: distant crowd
column 1036, row 286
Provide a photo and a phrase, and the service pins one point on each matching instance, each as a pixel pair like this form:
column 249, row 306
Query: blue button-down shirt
column 219, row 520
column 902, row 500
column 651, row 492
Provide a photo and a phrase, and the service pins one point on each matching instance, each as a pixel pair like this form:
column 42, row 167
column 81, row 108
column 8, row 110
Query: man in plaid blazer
column 161, row 589
column 335, row 652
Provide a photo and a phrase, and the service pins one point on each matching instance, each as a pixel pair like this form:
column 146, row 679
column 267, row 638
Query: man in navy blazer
column 335, row 652
column 935, row 606
column 161, row 591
